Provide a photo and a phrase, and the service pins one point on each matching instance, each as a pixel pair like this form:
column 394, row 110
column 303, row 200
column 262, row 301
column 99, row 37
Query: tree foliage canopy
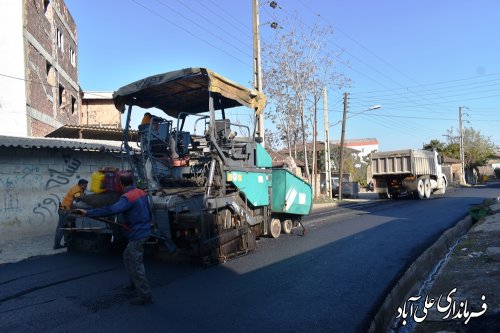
column 477, row 147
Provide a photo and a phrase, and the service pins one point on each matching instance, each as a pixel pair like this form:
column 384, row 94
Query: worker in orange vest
column 74, row 192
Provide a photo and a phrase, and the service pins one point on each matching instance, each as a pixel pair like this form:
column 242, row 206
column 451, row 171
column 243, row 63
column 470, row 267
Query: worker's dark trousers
column 63, row 222
column 133, row 260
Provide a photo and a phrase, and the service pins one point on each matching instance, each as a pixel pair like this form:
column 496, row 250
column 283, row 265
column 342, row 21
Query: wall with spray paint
column 34, row 180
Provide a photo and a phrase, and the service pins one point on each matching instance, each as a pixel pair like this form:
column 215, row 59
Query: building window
column 72, row 56
column 46, row 9
column 73, row 104
column 60, row 40
column 62, row 97
column 51, row 76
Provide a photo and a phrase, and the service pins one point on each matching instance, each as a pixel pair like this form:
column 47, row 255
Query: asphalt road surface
column 331, row 280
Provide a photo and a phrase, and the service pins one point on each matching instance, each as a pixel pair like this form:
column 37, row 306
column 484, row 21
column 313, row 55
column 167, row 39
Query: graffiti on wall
column 58, row 178
column 13, row 187
column 32, row 195
column 48, row 206
column 10, row 201
column 10, row 197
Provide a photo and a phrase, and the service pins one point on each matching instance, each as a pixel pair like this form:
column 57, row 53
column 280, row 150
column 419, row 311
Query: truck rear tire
column 442, row 190
column 427, row 188
column 420, row 189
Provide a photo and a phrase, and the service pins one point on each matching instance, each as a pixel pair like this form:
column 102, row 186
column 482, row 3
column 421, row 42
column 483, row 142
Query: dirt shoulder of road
column 469, row 281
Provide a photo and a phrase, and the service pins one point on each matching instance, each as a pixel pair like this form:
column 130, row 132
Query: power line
column 231, row 16
column 369, row 66
column 432, row 103
column 47, row 84
column 203, row 28
column 427, row 118
column 431, row 96
column 190, row 33
column 402, row 128
column 438, row 93
column 38, row 82
column 352, row 55
column 438, row 83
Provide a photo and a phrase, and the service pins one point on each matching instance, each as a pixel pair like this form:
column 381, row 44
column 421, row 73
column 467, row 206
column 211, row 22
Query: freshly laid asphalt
column 22, row 249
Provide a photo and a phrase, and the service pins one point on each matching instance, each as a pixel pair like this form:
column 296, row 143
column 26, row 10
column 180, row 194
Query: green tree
column 477, row 147
column 435, row 145
column 452, row 150
column 447, row 149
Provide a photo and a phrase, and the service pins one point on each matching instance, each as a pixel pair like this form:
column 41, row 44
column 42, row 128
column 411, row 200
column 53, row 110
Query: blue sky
column 420, row 59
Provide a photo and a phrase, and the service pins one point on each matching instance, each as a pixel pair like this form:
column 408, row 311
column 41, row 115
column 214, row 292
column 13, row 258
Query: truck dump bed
column 403, row 162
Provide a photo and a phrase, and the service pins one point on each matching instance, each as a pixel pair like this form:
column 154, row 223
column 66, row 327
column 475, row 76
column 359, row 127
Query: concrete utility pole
column 328, row 166
column 342, row 136
column 315, row 148
column 462, row 154
column 257, row 68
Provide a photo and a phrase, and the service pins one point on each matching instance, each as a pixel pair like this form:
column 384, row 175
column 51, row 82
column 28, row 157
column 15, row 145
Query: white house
column 363, row 146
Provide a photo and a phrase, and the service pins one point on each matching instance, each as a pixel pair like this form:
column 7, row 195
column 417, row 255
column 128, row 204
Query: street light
column 374, row 107
column 344, row 117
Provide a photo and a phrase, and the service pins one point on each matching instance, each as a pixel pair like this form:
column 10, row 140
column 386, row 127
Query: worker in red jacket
column 134, row 206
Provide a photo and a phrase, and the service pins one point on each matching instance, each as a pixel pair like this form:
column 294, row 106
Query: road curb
column 416, row 274
column 319, row 206
column 356, row 202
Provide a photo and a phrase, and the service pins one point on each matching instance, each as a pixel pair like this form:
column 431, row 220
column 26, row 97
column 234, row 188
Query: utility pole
column 257, row 68
column 328, row 166
column 462, row 154
column 342, row 136
column 315, row 148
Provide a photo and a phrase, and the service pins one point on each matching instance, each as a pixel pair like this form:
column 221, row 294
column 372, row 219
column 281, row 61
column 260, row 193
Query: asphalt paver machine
column 212, row 188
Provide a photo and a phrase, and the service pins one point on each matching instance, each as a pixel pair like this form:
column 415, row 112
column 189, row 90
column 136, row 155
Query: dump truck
column 412, row 172
column 212, row 188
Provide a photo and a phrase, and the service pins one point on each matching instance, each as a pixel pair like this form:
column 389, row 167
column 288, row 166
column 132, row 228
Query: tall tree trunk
column 289, row 141
column 308, row 176
column 295, row 145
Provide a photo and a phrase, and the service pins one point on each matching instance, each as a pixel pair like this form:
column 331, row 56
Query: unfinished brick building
column 39, row 89
column 98, row 109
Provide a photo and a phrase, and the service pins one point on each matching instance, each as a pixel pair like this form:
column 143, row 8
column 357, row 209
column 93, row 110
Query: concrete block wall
column 34, row 180
column 100, row 111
